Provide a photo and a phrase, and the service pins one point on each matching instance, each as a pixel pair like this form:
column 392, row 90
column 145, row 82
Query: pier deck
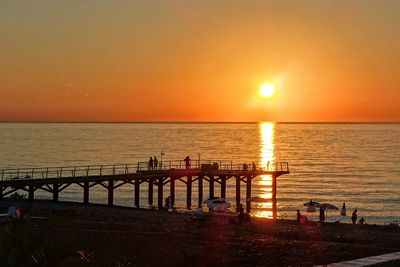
column 55, row 179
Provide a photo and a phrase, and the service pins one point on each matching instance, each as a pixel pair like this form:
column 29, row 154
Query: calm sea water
column 354, row 163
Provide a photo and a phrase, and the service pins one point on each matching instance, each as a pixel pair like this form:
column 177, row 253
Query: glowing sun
column 267, row 90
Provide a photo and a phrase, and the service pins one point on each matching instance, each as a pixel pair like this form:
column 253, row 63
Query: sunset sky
column 101, row 60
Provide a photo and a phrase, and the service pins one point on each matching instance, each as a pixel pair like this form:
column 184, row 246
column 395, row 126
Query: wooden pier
column 215, row 173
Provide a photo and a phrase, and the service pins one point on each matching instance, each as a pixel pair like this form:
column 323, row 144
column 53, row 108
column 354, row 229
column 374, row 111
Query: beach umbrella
column 328, row 206
column 311, row 207
column 313, row 203
column 343, row 212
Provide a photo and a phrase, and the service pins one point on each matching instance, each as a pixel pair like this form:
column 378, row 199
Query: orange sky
column 199, row 60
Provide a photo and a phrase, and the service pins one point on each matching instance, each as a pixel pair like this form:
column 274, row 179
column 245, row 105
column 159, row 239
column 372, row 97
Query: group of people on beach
column 354, row 218
column 302, row 219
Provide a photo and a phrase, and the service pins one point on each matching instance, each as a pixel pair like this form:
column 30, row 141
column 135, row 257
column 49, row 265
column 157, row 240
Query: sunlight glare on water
column 264, row 207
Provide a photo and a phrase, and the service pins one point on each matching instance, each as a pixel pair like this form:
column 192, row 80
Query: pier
column 163, row 176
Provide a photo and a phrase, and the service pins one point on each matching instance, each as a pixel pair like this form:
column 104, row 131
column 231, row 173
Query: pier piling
column 86, row 192
column 137, row 193
column 172, row 190
column 160, row 193
column 55, row 192
column 248, row 194
column 223, row 186
column 150, row 196
column 200, row 193
column 274, row 205
column 189, row 192
column 110, row 193
column 31, row 192
column 237, row 191
column 211, row 186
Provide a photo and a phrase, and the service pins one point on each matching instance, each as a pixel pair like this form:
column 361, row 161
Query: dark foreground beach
column 75, row 235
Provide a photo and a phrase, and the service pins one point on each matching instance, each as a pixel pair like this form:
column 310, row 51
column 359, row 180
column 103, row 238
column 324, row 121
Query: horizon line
column 210, row 122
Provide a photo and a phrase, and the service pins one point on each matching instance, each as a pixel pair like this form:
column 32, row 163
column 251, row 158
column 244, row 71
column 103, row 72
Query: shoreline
column 124, row 236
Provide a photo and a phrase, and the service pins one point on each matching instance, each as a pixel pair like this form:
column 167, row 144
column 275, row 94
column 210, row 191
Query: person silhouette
column 155, row 162
column 245, row 167
column 187, row 162
column 298, row 216
column 150, row 163
column 354, row 216
column 322, row 214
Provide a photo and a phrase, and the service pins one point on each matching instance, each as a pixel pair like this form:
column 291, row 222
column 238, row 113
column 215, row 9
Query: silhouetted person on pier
column 245, row 167
column 187, row 162
column 322, row 214
column 215, row 166
column 354, row 216
column 361, row 221
column 254, row 168
column 150, row 163
column 155, row 162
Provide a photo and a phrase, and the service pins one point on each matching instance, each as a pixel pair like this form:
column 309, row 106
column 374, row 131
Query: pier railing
column 125, row 169
column 226, row 165
column 67, row 171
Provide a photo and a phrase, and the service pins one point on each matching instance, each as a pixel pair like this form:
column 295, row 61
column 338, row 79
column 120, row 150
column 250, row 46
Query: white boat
column 217, row 204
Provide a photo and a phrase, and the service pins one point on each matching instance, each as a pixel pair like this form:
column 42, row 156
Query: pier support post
column 31, row 193
column 274, row 204
column 237, row 191
column 211, row 186
column 160, row 193
column 248, row 194
column 200, row 197
column 137, row 193
column 150, row 200
column 223, row 186
column 172, row 190
column 55, row 192
column 189, row 192
column 110, row 193
column 86, row 192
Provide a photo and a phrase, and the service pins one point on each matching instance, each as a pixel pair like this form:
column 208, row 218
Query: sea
column 353, row 163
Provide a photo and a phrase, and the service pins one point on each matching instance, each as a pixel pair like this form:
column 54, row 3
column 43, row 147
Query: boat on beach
column 217, row 204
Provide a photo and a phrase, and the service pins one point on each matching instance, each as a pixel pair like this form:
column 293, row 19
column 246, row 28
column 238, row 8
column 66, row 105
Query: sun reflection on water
column 267, row 147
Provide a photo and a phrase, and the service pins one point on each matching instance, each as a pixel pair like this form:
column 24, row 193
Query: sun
column 267, row 90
